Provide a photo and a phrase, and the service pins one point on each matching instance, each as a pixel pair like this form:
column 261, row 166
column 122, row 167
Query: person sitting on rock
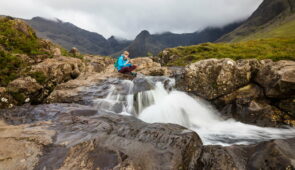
column 124, row 65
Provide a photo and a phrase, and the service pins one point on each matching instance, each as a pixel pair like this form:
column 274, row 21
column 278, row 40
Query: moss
column 17, row 37
column 10, row 67
column 39, row 77
column 275, row 49
column 19, row 97
column 64, row 52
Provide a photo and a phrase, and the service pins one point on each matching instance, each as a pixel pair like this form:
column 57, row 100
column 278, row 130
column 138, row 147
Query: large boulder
column 277, row 78
column 288, row 105
column 24, row 89
column 276, row 154
column 21, row 146
column 249, row 105
column 72, row 136
column 98, row 63
column 213, row 78
column 147, row 66
column 81, row 139
column 60, row 69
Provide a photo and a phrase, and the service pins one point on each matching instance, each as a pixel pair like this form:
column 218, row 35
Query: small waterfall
column 160, row 104
column 179, row 108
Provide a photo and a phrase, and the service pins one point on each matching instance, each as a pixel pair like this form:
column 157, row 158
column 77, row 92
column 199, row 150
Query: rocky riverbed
column 85, row 122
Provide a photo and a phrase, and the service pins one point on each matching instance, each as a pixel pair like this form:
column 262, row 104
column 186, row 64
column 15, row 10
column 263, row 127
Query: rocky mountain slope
column 69, row 35
column 273, row 18
column 146, row 43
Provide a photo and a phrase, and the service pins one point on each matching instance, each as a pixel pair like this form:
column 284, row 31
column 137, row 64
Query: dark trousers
column 127, row 69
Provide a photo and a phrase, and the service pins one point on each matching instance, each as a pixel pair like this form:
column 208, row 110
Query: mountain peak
column 144, row 33
column 46, row 19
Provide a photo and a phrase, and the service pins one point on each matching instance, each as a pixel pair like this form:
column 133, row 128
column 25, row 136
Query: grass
column 14, row 39
column 285, row 30
column 10, row 67
column 275, row 49
column 39, row 77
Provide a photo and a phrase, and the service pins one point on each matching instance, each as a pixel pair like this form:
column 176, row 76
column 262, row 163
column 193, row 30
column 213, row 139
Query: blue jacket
column 122, row 63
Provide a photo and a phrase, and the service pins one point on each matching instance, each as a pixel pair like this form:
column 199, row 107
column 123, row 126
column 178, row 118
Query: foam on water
column 162, row 106
column 179, row 108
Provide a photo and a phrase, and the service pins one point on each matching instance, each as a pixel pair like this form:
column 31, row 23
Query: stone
column 277, row 78
column 288, row 105
column 60, row 69
column 275, row 154
column 2, row 90
column 248, row 105
column 56, row 52
column 21, row 146
column 26, row 85
column 213, row 78
column 103, row 141
column 75, row 52
column 146, row 66
column 75, row 91
column 98, row 63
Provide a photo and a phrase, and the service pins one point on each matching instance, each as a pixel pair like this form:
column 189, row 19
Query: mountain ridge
column 68, row 35
column 145, row 42
column 269, row 15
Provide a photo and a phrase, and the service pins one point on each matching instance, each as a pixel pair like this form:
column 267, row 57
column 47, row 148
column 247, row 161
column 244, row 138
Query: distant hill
column 272, row 19
column 69, row 35
column 146, row 43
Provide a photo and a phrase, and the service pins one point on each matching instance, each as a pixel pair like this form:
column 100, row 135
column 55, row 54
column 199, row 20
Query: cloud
column 126, row 18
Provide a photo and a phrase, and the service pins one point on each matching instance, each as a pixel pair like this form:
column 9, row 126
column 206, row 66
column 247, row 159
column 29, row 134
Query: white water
column 160, row 106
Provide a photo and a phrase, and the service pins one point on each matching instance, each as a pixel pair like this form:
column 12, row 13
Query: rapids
column 160, row 103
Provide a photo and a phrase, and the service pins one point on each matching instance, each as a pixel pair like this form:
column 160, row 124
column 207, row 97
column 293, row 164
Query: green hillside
column 19, row 47
column 285, row 30
column 276, row 49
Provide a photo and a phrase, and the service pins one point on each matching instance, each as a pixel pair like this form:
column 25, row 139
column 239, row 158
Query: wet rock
column 276, row 154
column 125, row 141
column 216, row 77
column 91, row 141
column 277, row 78
column 21, row 146
column 221, row 158
column 85, row 88
column 249, row 105
column 288, row 105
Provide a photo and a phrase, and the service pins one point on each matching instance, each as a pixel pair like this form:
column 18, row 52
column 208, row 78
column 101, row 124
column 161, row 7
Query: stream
column 154, row 100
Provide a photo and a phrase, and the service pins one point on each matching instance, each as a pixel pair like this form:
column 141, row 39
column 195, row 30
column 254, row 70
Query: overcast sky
column 126, row 18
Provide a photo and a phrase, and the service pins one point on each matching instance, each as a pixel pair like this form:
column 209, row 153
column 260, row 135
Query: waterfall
column 159, row 105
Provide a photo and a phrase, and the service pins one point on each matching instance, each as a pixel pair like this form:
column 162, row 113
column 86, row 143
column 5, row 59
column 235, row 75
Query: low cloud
column 129, row 17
